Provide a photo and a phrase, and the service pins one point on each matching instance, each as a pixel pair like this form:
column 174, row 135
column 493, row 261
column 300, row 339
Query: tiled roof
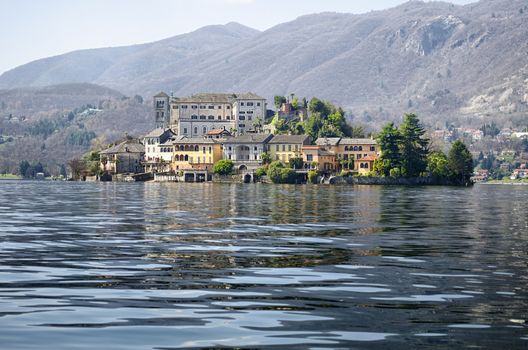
column 217, row 98
column 218, row 132
column 129, row 146
column 368, row 158
column 327, row 141
column 364, row 141
column 250, row 138
column 293, row 139
column 161, row 94
column 158, row 132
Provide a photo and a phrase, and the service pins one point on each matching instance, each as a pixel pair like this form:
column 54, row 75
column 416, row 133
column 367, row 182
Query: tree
column 77, row 167
column 413, row 146
column 437, row 164
column 460, row 162
column 279, row 100
column 223, row 167
column 23, row 167
column 266, row 158
column 389, row 141
column 295, row 102
column 296, row 163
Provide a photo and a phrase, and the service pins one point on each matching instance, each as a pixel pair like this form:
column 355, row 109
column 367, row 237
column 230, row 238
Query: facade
column 161, row 110
column 158, row 150
column 362, row 151
column 246, row 150
column 285, row 147
column 319, row 158
column 197, row 115
column 124, row 158
column 195, row 153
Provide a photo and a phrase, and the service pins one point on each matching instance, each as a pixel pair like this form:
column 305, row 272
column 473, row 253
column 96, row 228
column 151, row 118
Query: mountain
column 464, row 64
column 122, row 67
column 54, row 124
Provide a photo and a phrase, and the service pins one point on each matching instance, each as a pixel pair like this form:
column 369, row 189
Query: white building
column 158, row 150
column 197, row 115
column 246, row 150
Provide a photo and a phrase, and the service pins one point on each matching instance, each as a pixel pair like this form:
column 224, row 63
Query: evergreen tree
column 460, row 162
column 413, row 147
column 389, row 141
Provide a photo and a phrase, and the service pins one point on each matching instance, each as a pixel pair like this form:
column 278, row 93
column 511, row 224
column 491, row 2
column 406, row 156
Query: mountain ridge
column 441, row 60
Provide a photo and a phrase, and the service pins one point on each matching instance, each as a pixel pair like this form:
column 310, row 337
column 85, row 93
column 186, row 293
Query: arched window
column 186, row 158
column 205, row 130
column 196, row 130
column 182, row 158
column 361, row 148
column 346, row 148
column 355, row 148
column 196, row 148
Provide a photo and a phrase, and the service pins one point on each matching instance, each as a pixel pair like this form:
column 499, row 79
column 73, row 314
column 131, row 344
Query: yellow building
column 285, row 147
column 319, row 158
column 195, row 153
column 363, row 152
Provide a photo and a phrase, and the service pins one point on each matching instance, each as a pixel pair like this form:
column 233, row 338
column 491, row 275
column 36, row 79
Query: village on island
column 233, row 137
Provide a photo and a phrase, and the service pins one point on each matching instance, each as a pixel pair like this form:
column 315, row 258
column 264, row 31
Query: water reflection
column 147, row 266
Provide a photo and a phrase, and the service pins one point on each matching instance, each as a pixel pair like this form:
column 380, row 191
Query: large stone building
column 197, row 115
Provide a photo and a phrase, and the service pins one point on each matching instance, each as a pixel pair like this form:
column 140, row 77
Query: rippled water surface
column 164, row 266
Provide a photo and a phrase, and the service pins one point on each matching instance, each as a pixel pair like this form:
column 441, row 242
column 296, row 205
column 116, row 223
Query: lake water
column 166, row 266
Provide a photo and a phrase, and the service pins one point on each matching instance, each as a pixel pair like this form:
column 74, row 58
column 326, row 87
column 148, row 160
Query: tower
column 161, row 110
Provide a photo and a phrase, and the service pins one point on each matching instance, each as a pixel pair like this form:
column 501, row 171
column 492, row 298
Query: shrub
column 223, row 167
column 296, row 163
column 260, row 172
column 395, row 172
column 312, row 177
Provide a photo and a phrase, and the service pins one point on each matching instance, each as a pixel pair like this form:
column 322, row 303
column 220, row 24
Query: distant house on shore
column 124, row 158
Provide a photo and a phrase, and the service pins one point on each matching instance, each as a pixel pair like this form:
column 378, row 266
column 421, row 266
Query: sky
column 33, row 29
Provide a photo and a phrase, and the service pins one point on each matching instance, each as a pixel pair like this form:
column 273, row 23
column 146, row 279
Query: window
column 202, row 117
column 194, row 116
column 361, row 148
column 373, row 148
column 241, row 103
column 160, row 104
column 284, row 148
column 211, row 117
column 162, row 114
column 175, row 107
column 210, row 149
column 184, row 106
column 249, row 117
column 195, row 130
column 210, row 107
column 258, row 104
column 250, row 104
column 219, row 117
column 204, row 130
column 194, row 106
column 255, row 148
column 241, row 125
column 289, row 148
column 202, row 107
column 346, row 148
column 219, row 107
column 242, row 112
column 296, row 148
column 228, row 107
column 229, row 148
column 203, row 149
column 241, row 117
column 276, row 148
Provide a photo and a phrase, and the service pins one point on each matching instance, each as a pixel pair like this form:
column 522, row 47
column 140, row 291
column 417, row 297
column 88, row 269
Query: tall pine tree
column 389, row 141
column 414, row 147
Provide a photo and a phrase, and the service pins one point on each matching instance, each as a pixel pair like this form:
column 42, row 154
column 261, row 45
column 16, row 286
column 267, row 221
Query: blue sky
column 32, row 29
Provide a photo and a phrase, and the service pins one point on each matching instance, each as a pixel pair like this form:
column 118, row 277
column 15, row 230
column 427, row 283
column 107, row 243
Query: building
column 196, row 153
column 319, row 157
column 124, row 158
column 246, row 150
column 356, row 154
column 363, row 152
column 161, row 110
column 197, row 115
column 158, row 150
column 285, row 147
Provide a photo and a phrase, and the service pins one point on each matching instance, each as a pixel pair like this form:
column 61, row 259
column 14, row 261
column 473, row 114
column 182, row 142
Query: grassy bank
column 9, row 177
